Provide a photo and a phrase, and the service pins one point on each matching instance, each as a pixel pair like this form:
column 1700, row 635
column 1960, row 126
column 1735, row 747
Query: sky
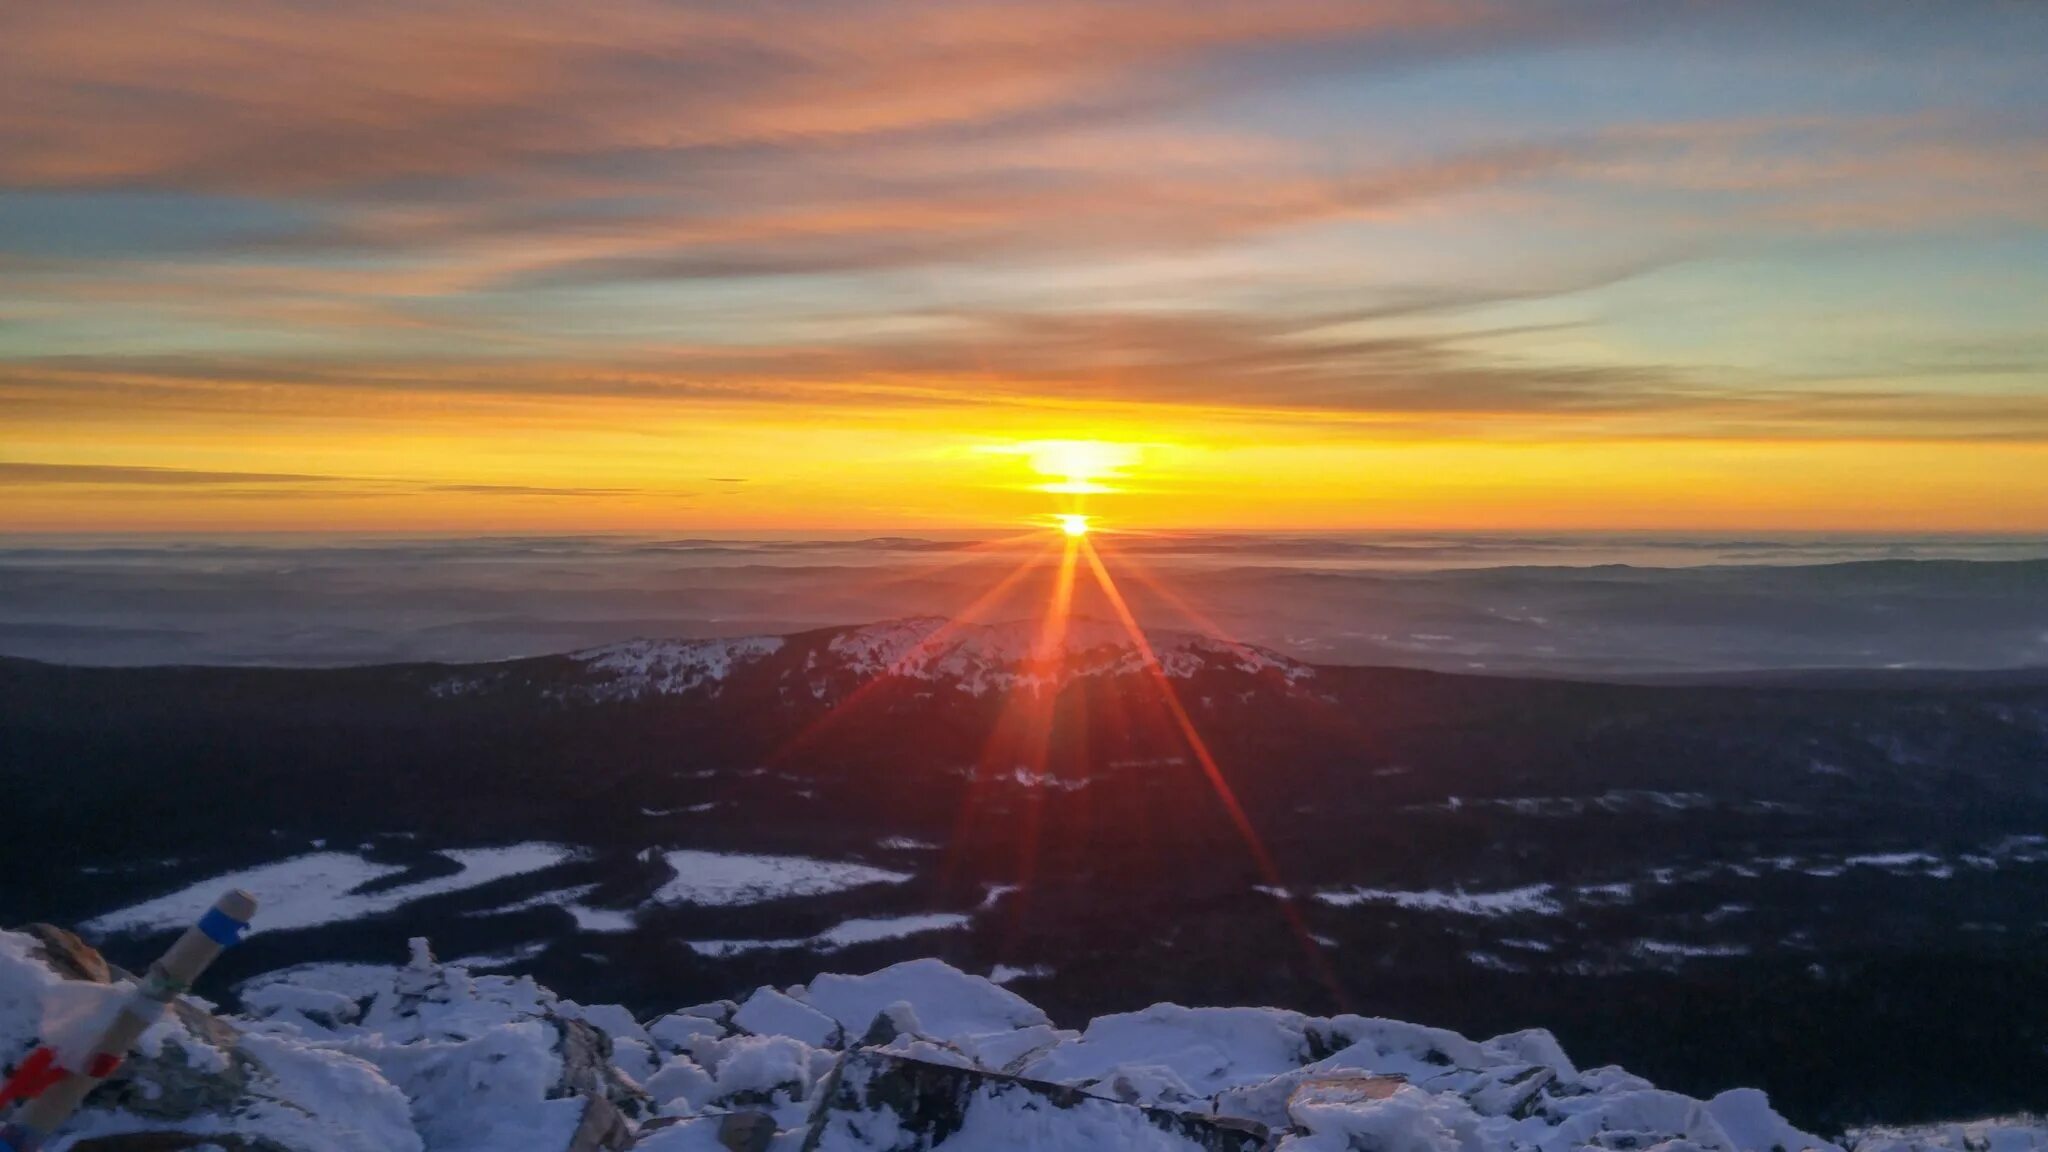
column 1296, row 264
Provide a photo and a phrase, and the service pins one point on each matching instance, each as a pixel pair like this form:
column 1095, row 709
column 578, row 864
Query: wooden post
column 173, row 973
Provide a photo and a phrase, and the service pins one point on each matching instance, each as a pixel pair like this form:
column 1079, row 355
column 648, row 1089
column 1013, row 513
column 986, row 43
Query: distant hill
column 1785, row 883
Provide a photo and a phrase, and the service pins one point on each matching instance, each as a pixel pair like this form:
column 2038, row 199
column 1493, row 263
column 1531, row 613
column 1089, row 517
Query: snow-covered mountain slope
column 667, row 667
column 428, row 1057
column 1650, row 871
column 998, row 657
column 977, row 659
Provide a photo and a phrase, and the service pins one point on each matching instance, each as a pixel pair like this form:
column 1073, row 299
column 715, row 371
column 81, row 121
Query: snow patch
column 640, row 668
column 866, row 930
column 1687, row 951
column 869, row 930
column 1533, row 900
column 308, row 891
column 725, row 880
column 906, row 844
column 1006, row 974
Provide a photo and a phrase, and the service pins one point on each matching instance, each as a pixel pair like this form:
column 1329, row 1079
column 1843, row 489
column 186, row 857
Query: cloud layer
column 1560, row 219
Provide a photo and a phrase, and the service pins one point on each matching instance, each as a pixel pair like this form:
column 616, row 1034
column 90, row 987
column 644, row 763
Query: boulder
column 771, row 1013
column 878, row 1102
column 176, row 1142
column 485, row 1062
column 746, row 1131
column 195, row 1080
column 67, row 955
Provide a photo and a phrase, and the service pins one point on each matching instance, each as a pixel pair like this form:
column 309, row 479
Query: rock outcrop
column 427, row 1057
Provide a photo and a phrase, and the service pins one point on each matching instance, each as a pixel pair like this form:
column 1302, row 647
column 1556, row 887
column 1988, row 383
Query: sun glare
column 1073, row 524
column 1079, row 467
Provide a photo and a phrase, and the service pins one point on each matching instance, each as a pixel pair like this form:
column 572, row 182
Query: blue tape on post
column 222, row 928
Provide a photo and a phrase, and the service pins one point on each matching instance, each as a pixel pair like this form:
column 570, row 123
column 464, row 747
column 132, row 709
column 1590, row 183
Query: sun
column 1073, row 524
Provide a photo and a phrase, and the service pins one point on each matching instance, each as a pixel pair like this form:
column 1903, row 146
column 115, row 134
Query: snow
column 1008, row 974
column 1614, row 801
column 1620, row 892
column 1671, row 948
column 771, row 1013
column 1534, row 900
column 727, row 949
column 1409, row 1120
column 1205, row 1049
column 1897, row 860
column 1024, row 777
column 695, row 1135
column 600, row 920
column 843, row 935
column 997, row 1120
column 570, row 900
column 297, row 893
column 348, row 981
column 304, row 1099
column 1914, row 863
column 949, row 1003
column 478, row 1058
column 640, row 668
column 2020, row 1133
column 906, row 844
column 866, row 931
column 680, row 1082
column 308, row 891
column 429, row 1057
column 717, row 879
column 558, row 898
column 766, row 1065
column 490, row 961
column 982, row 658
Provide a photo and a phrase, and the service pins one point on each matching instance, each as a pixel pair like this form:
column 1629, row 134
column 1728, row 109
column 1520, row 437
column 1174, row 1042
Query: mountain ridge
column 1651, row 871
column 973, row 658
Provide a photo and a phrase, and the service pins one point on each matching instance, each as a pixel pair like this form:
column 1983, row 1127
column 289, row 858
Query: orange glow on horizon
column 617, row 467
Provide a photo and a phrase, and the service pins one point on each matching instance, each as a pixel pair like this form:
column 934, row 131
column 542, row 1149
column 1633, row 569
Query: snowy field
column 308, row 891
column 727, row 879
column 324, row 888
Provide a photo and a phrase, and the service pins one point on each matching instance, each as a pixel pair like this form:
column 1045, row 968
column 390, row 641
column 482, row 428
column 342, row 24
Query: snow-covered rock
column 196, row 1074
column 2024, row 1133
column 486, row 1062
column 429, row 1057
column 878, row 1101
column 949, row 1004
column 771, row 1013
